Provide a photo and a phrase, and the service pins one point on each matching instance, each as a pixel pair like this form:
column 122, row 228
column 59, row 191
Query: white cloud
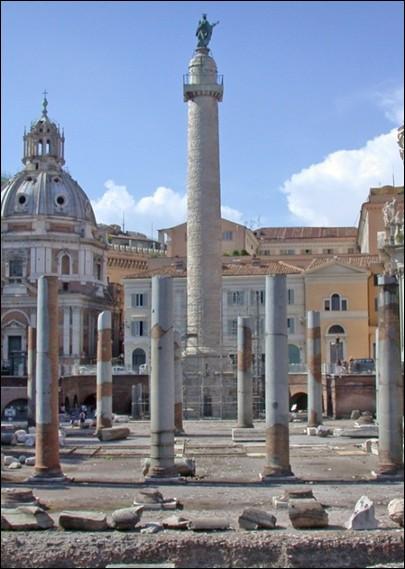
column 164, row 208
column 332, row 191
column 231, row 214
column 392, row 103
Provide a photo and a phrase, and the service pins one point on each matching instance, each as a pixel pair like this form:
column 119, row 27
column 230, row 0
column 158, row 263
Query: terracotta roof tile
column 294, row 233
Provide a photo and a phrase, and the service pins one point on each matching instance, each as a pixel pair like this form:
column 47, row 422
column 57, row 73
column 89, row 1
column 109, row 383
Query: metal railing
column 189, row 77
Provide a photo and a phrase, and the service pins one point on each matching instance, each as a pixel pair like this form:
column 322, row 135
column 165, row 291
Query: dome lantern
column 44, row 145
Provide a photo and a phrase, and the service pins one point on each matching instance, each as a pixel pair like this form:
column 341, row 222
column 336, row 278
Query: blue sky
column 313, row 95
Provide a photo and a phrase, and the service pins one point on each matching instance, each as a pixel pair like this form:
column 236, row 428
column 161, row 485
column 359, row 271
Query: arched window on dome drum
column 65, row 265
column 48, row 146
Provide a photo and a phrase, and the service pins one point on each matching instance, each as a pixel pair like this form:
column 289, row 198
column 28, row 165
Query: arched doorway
column 138, row 359
column 91, row 403
column 300, row 400
column 16, row 410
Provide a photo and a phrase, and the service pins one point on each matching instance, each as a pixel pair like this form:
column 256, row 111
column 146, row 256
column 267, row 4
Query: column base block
column 163, row 479
column 41, row 479
column 388, row 476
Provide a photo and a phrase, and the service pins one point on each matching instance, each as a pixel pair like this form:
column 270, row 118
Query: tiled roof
column 259, row 266
column 239, row 267
column 293, row 233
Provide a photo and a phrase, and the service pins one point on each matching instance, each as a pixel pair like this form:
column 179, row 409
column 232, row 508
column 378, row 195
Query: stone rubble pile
column 22, row 511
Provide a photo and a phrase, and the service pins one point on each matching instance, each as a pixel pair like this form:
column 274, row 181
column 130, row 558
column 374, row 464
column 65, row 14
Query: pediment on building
column 335, row 268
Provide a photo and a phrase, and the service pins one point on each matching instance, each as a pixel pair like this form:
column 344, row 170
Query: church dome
column 48, row 193
column 43, row 188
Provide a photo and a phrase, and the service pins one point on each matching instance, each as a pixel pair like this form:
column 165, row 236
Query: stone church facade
column 48, row 227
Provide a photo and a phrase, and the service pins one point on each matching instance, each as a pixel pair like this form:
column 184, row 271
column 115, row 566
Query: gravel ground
column 107, row 476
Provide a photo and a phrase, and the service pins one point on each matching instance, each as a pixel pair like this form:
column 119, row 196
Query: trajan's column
column 203, row 90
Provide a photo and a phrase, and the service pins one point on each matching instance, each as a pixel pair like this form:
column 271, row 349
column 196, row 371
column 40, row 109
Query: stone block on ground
column 30, row 440
column 13, row 497
column 323, row 431
column 8, row 438
column 280, row 502
column 120, row 418
column 363, row 517
column 209, row 524
column 254, row 518
column 7, row 460
column 355, row 414
column 149, row 496
column 365, row 420
column 361, row 431
column 299, row 494
column 307, row 513
column 83, row 521
column 152, row 527
column 175, row 522
column 168, row 504
column 14, row 465
column 20, row 435
column 396, row 511
column 113, row 433
column 311, row 431
column 126, row 518
column 24, row 518
column 30, row 461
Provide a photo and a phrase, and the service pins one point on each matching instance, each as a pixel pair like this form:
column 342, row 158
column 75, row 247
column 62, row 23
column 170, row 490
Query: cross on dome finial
column 44, row 104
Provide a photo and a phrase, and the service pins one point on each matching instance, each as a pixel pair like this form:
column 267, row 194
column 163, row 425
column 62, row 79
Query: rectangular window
column 138, row 328
column 227, row 236
column 344, row 304
column 287, row 251
column 350, row 250
column 327, row 304
column 232, row 327
column 376, row 304
column 307, row 251
column 236, row 298
column 16, row 268
column 327, row 251
column 290, row 296
column 257, row 295
column 291, row 325
column 138, row 299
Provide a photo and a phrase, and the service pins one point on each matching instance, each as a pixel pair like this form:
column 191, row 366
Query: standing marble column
column 389, row 377
column 178, row 385
column 277, row 433
column 377, row 382
column 314, row 368
column 136, row 402
column 203, row 90
column 66, row 331
column 76, row 331
column 134, row 413
column 244, row 373
column 104, row 371
column 162, row 380
column 47, row 406
column 31, row 364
